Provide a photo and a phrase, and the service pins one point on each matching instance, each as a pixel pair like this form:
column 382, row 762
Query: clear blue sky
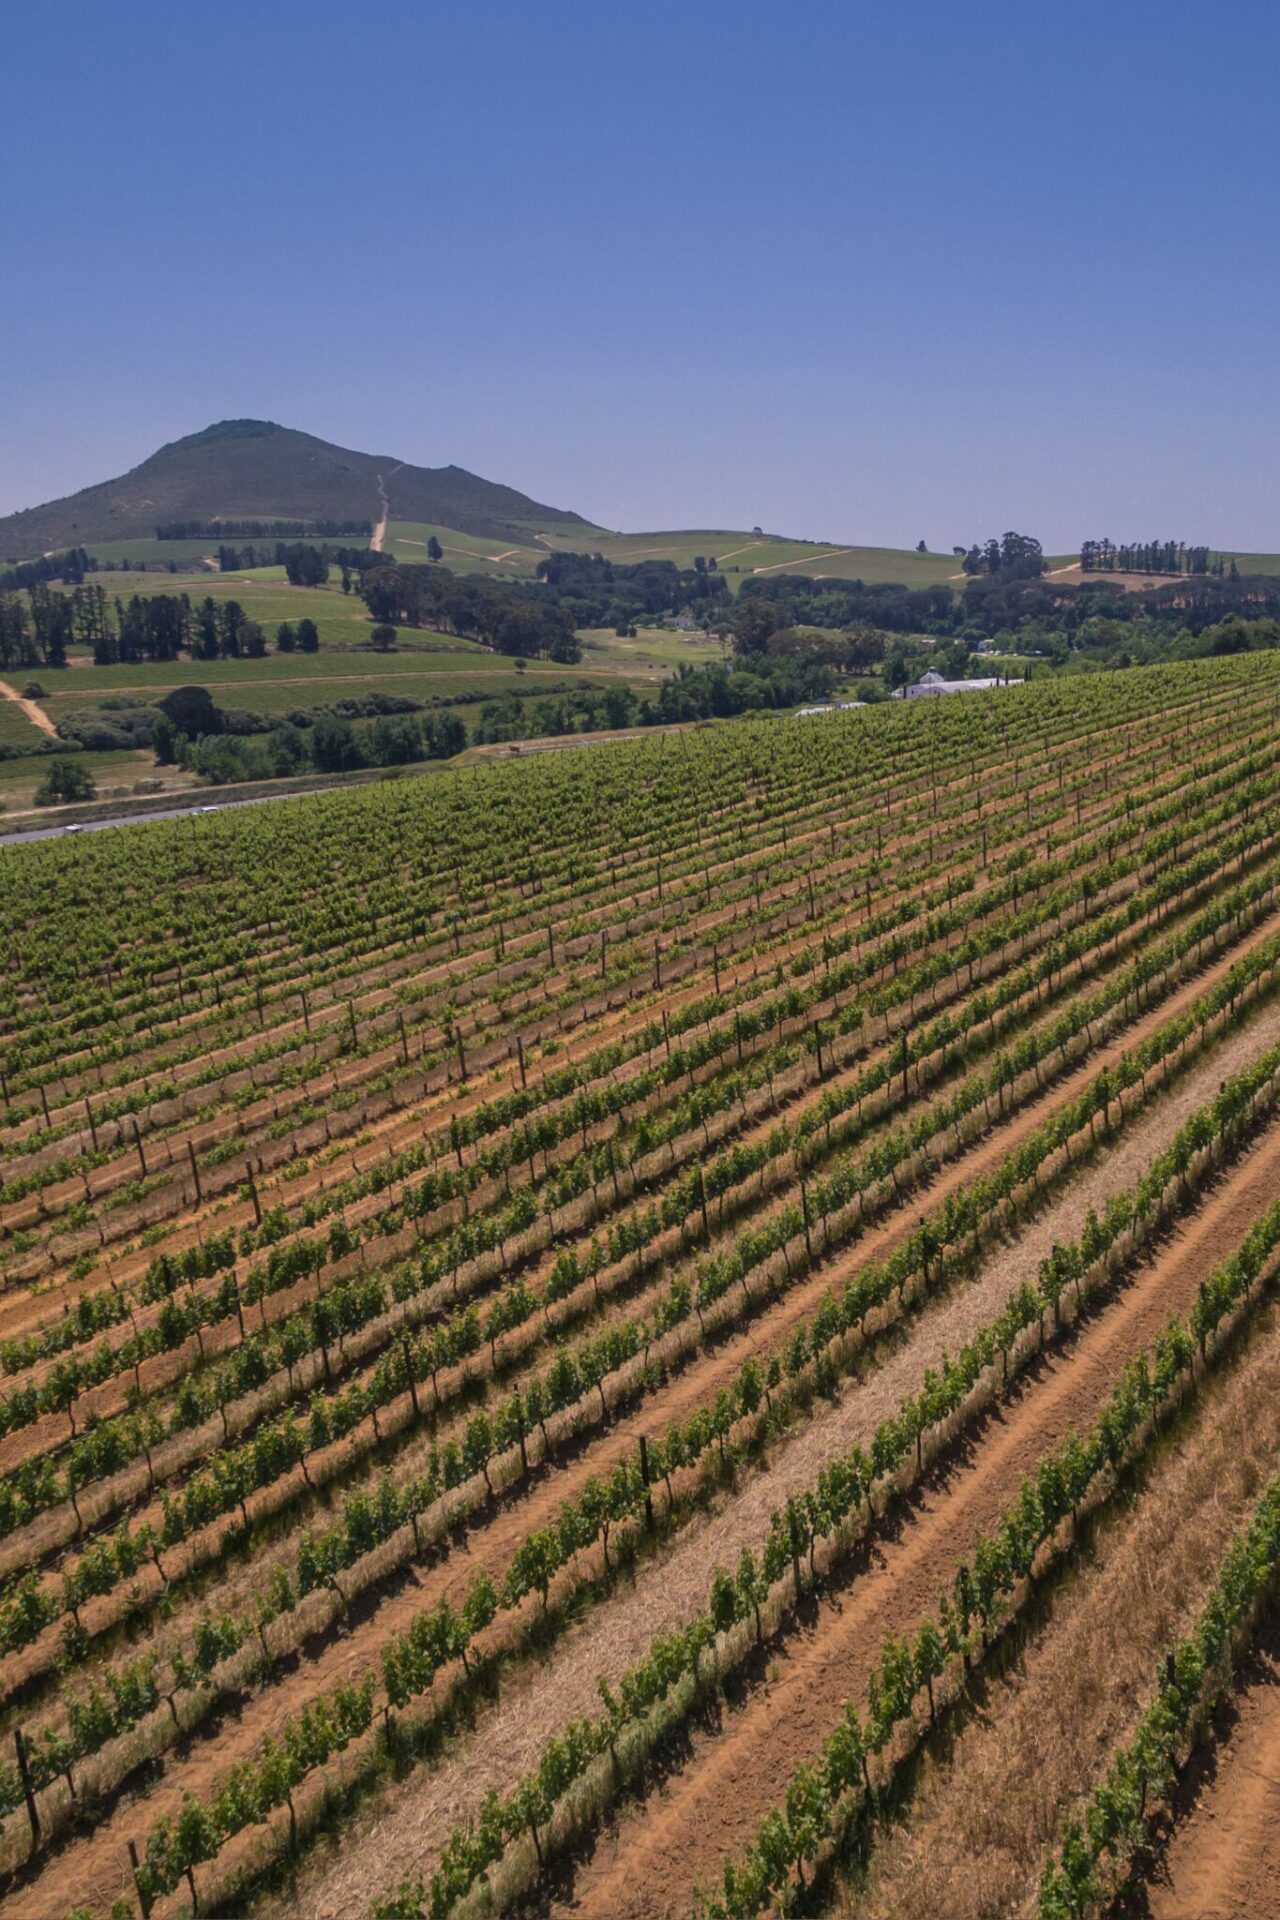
column 868, row 272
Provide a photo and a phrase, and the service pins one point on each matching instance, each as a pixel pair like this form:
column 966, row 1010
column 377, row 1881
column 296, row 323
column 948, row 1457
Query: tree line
column 1047, row 614
column 1151, row 556
column 192, row 731
column 262, row 529
column 305, row 564
column 514, row 619
column 37, row 631
column 765, row 684
column 69, row 567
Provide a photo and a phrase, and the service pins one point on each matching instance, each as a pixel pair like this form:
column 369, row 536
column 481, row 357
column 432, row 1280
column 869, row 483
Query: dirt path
column 668, row 1588
column 379, row 533
column 1223, row 1861
column 649, row 1864
column 781, row 566
column 35, row 713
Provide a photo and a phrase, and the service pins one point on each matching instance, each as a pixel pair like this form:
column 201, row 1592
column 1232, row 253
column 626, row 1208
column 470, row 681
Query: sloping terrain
column 245, row 469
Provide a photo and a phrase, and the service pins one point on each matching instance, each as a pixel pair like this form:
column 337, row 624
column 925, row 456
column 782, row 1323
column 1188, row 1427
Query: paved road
column 20, row 835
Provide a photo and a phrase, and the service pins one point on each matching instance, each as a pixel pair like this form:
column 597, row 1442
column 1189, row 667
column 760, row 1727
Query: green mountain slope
column 253, row 469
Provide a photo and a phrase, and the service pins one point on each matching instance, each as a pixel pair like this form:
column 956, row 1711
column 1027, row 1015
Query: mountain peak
column 259, row 470
column 227, row 430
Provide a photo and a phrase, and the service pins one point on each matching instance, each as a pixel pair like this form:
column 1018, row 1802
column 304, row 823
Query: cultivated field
column 680, row 1329
column 737, row 554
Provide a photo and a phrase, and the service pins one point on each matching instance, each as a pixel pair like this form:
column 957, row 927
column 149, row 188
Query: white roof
column 932, row 682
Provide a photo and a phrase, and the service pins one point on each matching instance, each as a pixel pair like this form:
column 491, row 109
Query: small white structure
column 934, row 683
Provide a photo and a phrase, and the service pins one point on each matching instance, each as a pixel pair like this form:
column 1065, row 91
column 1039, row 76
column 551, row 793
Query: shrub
column 65, row 781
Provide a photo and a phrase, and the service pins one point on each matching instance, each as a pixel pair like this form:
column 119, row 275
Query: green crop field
column 276, row 694
column 265, row 595
column 469, row 552
column 301, row 669
column 738, row 554
column 654, row 654
column 723, row 1248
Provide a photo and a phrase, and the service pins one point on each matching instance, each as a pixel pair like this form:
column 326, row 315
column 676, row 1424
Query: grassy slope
column 15, row 728
column 738, row 554
column 114, row 775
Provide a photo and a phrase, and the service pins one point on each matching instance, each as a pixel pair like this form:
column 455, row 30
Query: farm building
column 829, row 706
column 931, row 683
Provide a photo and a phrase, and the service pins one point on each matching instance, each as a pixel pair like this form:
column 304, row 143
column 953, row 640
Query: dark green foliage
column 66, row 780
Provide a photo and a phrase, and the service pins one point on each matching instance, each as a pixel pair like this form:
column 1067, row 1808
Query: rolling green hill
column 253, row 469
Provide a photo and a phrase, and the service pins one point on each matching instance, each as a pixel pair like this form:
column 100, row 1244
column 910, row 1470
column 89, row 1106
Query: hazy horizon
column 863, row 274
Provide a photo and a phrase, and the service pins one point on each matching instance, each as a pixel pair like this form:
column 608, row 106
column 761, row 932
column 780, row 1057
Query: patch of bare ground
column 988, row 1810
column 1222, row 1858
column 403, row 1829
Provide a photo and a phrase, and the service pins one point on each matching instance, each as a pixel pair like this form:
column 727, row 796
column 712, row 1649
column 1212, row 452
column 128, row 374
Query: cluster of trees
column 1017, row 556
column 306, row 564
column 19, row 644
column 1151, row 556
column 69, row 567
column 120, row 721
column 331, row 745
column 766, row 606
column 304, row 637
column 65, row 781
column 695, row 693
column 514, row 619
column 262, row 529
column 572, row 590
column 189, row 729
column 604, row 593
column 1066, row 622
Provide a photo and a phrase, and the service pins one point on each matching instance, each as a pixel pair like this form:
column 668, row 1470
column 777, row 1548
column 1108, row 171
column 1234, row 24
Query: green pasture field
column 114, row 775
column 187, row 551
column 654, row 654
column 278, row 694
column 265, row 595
column 15, row 728
column 307, row 669
column 738, row 554
column 467, row 552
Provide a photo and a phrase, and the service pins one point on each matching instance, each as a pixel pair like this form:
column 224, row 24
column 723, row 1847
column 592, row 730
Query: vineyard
column 679, row 1330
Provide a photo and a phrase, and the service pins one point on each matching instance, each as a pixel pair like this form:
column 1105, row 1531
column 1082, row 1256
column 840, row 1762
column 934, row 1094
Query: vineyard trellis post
column 144, row 1898
column 20, row 1748
column 644, row 1476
